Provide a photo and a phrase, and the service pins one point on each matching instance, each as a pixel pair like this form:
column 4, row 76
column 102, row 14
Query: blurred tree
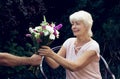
column 16, row 16
column 19, row 15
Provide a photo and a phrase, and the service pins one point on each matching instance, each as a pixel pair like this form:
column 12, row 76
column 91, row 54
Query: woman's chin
column 75, row 34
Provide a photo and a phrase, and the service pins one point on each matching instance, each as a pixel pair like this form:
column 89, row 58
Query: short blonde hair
column 85, row 17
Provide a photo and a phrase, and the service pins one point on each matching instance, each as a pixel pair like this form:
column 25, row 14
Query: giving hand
column 45, row 51
column 35, row 60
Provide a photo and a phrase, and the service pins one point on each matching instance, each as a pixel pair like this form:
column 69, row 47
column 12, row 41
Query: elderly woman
column 78, row 55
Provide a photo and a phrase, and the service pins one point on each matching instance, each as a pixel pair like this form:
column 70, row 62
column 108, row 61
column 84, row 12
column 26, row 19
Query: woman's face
column 79, row 28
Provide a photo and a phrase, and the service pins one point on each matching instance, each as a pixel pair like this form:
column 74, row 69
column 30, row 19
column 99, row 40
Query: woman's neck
column 82, row 40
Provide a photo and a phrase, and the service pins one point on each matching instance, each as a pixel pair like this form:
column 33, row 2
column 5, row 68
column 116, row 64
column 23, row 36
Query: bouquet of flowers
column 44, row 34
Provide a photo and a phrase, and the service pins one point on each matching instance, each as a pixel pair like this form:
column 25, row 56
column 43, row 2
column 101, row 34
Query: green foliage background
column 16, row 16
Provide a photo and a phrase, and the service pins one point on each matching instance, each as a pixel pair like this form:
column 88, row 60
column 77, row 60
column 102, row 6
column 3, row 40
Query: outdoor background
column 16, row 16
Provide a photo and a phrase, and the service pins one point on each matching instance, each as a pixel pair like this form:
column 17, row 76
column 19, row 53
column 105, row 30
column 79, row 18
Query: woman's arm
column 80, row 63
column 7, row 59
column 52, row 63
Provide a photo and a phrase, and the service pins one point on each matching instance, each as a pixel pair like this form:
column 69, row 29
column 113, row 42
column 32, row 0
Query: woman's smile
column 75, row 31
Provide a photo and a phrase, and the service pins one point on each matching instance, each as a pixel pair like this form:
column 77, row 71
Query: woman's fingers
column 45, row 51
column 44, row 47
column 41, row 51
column 42, row 54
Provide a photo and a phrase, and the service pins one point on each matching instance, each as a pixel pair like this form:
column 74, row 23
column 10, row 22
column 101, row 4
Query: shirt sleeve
column 65, row 44
column 68, row 43
column 94, row 46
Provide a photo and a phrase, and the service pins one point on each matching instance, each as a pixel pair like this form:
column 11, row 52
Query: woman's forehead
column 76, row 21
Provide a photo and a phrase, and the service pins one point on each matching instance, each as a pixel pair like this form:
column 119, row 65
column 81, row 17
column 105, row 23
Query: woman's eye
column 72, row 24
column 78, row 23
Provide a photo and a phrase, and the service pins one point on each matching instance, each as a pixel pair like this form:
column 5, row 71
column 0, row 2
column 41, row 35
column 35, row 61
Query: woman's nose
column 74, row 25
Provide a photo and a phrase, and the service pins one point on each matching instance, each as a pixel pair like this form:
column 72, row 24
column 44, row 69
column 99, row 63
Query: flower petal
column 52, row 36
column 31, row 30
column 58, row 27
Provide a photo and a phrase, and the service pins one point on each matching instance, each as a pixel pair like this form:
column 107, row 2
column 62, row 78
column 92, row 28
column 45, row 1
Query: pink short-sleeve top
column 92, row 70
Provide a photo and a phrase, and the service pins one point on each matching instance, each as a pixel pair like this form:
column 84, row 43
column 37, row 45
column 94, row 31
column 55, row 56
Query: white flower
column 31, row 30
column 38, row 28
column 50, row 29
column 57, row 34
column 52, row 36
column 46, row 33
column 52, row 24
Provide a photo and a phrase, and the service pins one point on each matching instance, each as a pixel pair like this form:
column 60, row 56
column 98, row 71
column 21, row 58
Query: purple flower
column 55, row 33
column 39, row 40
column 58, row 27
column 41, row 33
column 35, row 30
column 43, row 27
column 28, row 35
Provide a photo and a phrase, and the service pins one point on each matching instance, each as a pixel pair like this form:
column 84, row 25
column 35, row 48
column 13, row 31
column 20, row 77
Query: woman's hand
column 45, row 51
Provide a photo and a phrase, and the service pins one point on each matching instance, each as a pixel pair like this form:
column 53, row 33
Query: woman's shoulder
column 71, row 39
column 94, row 43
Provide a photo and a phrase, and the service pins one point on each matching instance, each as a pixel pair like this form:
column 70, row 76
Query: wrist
column 53, row 55
column 30, row 61
column 26, row 61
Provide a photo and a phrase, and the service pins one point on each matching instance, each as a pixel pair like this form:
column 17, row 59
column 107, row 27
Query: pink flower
column 43, row 27
column 39, row 40
column 28, row 35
